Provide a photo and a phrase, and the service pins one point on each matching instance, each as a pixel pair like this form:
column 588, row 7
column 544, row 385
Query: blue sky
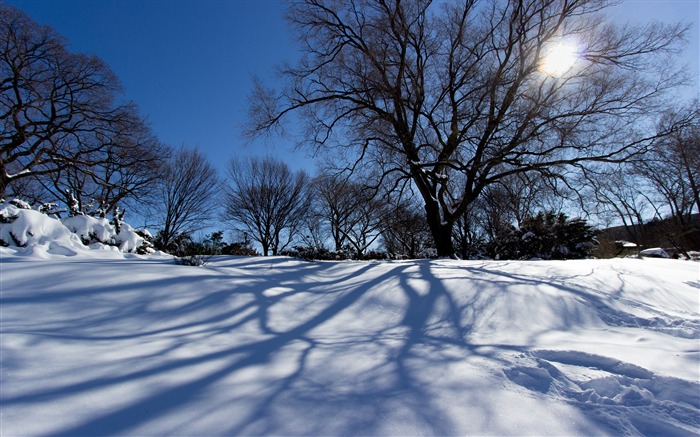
column 188, row 64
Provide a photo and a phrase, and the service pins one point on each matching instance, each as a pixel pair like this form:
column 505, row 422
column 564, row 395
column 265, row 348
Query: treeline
column 475, row 153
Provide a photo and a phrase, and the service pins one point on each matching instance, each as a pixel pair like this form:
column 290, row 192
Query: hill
column 664, row 233
column 104, row 343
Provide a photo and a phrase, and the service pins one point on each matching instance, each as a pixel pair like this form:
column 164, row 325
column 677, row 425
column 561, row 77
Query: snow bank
column 38, row 232
column 275, row 346
column 654, row 252
column 35, row 232
column 89, row 228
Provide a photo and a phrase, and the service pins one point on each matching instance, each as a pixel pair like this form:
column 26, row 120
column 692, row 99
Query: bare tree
column 314, row 231
column 616, row 194
column 187, row 195
column 267, row 200
column 364, row 224
column 129, row 169
column 57, row 109
column 672, row 165
column 457, row 96
column 351, row 211
column 671, row 170
column 655, row 195
column 337, row 202
column 404, row 230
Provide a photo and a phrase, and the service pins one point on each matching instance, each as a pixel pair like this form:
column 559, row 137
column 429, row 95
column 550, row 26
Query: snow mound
column 654, row 252
column 90, row 228
column 35, row 233
column 94, row 230
column 623, row 396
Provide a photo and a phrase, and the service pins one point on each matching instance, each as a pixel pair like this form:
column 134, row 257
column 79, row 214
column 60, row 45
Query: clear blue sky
column 188, row 64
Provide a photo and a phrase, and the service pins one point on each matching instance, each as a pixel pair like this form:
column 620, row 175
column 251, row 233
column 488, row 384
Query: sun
column 560, row 59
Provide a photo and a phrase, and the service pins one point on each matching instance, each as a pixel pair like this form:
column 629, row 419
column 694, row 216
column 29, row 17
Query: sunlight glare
column 560, row 59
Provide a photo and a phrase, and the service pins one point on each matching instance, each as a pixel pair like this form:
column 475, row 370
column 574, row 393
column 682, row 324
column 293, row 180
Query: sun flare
column 560, row 59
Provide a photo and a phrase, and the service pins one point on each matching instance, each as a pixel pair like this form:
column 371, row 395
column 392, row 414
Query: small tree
column 469, row 233
column 404, row 230
column 186, row 197
column 214, row 243
column 267, row 200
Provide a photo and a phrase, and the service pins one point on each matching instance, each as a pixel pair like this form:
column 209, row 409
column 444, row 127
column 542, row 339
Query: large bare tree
column 661, row 185
column 672, row 165
column 267, row 200
column 456, row 96
column 129, row 169
column 58, row 110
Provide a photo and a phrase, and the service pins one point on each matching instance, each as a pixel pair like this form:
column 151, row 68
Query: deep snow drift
column 100, row 343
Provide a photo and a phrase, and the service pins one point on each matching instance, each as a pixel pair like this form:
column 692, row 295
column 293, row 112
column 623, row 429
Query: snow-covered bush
column 545, row 236
column 22, row 226
column 316, row 254
column 21, row 204
column 193, row 260
column 654, row 252
column 323, row 254
column 239, row 248
column 178, row 245
column 94, row 230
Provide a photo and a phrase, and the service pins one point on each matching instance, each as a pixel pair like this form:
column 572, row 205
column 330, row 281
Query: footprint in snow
column 609, row 391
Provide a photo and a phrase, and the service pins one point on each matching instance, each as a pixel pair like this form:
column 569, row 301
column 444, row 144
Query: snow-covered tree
column 547, row 236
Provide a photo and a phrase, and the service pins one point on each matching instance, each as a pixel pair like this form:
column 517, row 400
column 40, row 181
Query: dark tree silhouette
column 456, row 96
column 187, row 195
column 267, row 200
column 58, row 110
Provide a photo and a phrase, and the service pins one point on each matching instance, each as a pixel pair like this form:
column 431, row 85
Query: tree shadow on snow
column 281, row 347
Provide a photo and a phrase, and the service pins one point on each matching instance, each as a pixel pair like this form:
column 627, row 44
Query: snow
column 37, row 232
column 109, row 343
column 656, row 252
column 627, row 244
column 87, row 227
column 528, row 235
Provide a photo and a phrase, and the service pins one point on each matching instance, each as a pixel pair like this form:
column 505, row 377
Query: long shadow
column 433, row 321
column 422, row 330
column 242, row 356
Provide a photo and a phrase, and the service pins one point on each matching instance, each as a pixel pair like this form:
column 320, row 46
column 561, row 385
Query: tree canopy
column 453, row 97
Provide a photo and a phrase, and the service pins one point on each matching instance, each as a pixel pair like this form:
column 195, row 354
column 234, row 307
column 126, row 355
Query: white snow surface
column 104, row 343
column 654, row 252
column 37, row 233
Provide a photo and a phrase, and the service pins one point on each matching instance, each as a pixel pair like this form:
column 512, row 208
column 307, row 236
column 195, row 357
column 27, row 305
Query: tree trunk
column 4, row 180
column 441, row 231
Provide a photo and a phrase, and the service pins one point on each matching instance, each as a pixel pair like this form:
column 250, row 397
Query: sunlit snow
column 97, row 342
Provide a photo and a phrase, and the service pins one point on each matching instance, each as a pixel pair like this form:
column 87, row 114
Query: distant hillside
column 665, row 233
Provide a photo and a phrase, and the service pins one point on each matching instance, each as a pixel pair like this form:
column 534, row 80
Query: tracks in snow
column 631, row 399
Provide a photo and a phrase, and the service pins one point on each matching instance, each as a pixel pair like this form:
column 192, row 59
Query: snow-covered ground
column 97, row 343
column 94, row 342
